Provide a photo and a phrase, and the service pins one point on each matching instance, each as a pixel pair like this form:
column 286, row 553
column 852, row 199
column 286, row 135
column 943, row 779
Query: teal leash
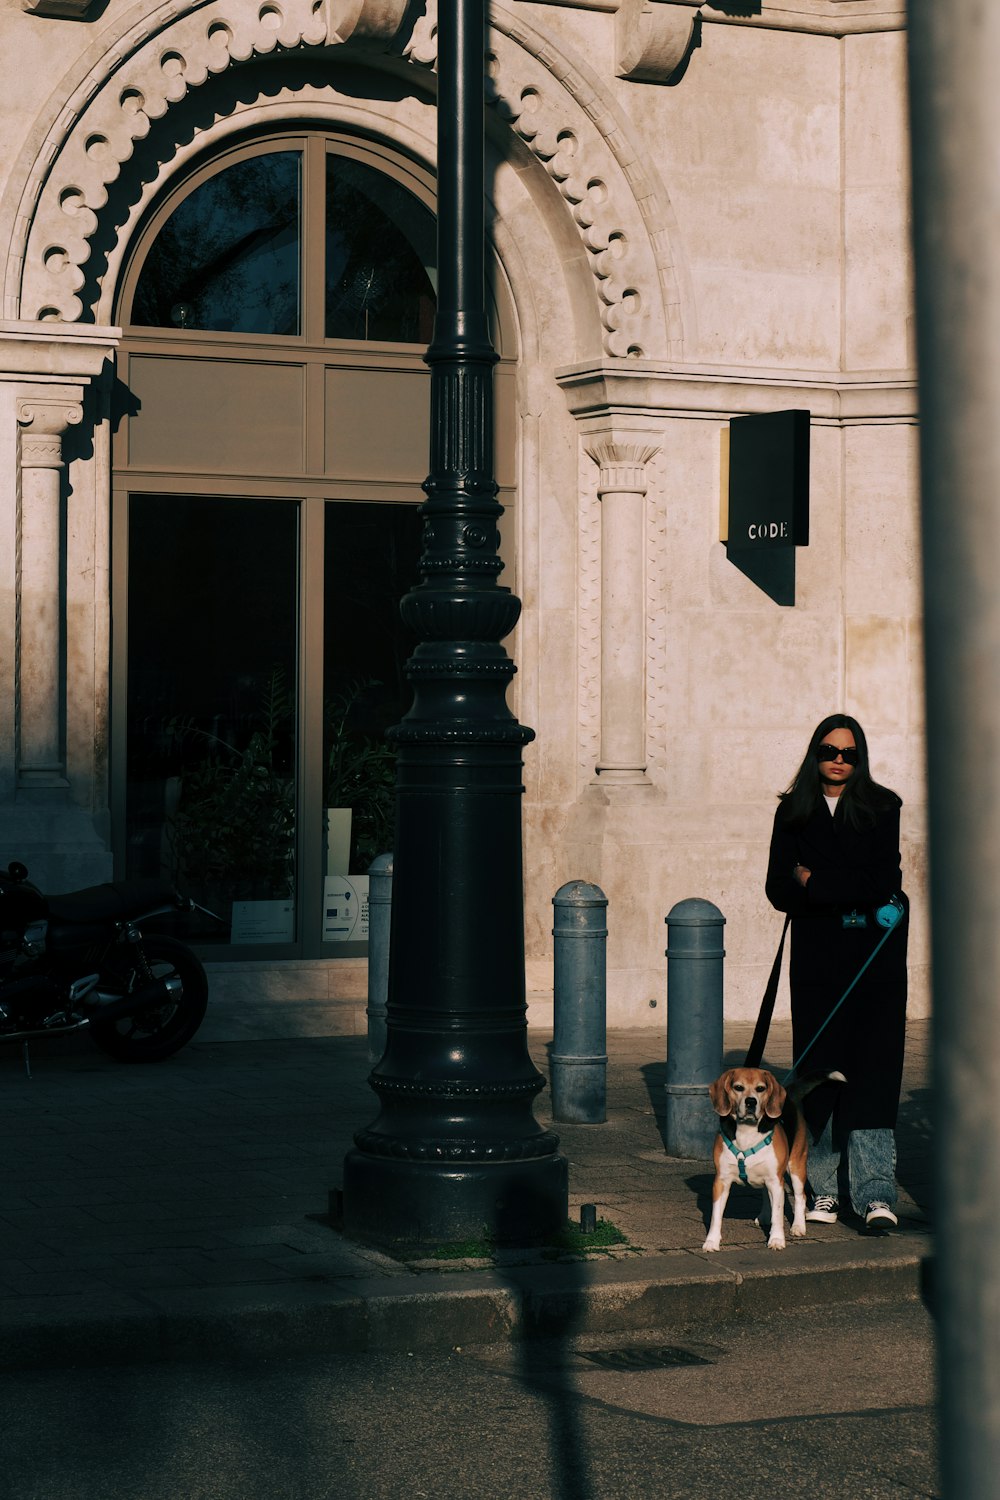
column 894, row 905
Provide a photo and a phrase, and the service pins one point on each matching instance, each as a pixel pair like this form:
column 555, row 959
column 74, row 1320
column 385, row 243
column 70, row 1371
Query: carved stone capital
column 622, row 465
column 653, row 39
column 66, row 10
column 42, row 426
column 421, row 47
column 374, row 21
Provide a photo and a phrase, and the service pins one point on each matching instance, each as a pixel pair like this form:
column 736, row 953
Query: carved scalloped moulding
column 561, row 111
column 558, row 109
column 565, row 117
column 180, row 55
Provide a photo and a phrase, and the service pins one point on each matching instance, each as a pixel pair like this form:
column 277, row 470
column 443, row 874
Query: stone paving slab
column 179, row 1210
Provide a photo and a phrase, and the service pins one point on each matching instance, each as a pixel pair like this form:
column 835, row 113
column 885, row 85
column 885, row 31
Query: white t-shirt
column 831, row 803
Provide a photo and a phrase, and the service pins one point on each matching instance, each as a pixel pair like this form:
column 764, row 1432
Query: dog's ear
column 718, row 1092
column 774, row 1099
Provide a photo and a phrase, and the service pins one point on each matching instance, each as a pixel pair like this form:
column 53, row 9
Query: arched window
column 380, row 257
column 270, row 449
column 228, row 257
column 231, row 256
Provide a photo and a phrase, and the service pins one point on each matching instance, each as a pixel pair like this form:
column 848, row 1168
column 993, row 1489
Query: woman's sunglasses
column 831, row 752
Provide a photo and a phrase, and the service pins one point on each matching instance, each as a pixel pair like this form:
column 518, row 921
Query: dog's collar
column 741, row 1156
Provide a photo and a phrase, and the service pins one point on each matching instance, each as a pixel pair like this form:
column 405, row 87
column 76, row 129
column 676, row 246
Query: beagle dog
column 755, row 1145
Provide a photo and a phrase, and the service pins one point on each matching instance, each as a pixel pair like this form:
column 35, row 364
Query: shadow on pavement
column 557, row 1320
column 914, row 1144
column 654, row 1076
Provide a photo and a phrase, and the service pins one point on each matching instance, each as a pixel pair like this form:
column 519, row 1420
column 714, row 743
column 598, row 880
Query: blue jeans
column 871, row 1167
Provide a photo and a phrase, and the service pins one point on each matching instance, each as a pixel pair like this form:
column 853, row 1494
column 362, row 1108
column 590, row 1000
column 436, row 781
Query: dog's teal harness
column 741, row 1156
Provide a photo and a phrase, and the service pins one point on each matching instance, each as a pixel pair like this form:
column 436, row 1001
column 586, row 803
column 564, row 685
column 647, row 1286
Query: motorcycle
column 82, row 961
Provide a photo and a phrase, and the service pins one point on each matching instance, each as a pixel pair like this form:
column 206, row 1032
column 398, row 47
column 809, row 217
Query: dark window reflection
column 380, row 257
column 228, row 257
column 210, row 789
column 372, row 554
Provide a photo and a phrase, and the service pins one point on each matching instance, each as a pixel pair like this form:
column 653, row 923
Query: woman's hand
column 801, row 874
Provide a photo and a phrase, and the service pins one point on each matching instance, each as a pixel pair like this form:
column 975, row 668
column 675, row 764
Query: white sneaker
column 824, row 1210
column 879, row 1218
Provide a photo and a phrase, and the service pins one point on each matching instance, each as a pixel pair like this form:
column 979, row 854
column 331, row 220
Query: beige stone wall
column 784, row 159
column 748, row 144
column 735, row 685
column 746, row 226
column 878, row 269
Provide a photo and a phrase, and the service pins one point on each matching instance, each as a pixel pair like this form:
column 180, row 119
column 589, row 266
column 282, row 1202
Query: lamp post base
column 409, row 1207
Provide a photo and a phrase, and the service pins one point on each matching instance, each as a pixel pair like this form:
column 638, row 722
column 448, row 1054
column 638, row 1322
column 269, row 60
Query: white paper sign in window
column 345, row 909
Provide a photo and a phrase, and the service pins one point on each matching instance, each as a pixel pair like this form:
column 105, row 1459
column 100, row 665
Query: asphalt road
column 838, row 1404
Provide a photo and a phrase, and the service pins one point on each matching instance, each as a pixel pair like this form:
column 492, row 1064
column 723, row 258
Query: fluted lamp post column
column 455, row 1151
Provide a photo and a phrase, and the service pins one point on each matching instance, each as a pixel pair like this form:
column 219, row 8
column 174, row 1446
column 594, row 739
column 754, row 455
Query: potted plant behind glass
column 233, row 829
column 360, row 775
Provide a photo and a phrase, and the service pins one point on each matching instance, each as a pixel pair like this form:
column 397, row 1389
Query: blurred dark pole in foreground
column 455, row 1152
column 955, row 123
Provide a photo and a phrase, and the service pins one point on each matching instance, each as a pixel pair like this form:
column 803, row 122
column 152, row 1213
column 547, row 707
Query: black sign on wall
column 769, row 481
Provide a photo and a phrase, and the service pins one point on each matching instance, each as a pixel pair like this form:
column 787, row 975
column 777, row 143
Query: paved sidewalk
column 179, row 1210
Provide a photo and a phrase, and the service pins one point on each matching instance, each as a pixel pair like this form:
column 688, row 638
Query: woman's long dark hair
column 862, row 798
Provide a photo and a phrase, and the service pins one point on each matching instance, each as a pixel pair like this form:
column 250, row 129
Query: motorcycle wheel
column 155, row 1034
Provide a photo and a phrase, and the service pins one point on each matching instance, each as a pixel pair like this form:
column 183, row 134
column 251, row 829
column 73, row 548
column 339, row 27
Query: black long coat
column 851, row 869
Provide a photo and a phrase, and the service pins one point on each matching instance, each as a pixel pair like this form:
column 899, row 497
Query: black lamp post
column 455, row 1151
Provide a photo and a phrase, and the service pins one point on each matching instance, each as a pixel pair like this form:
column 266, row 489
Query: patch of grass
column 570, row 1240
column 604, row 1236
column 465, row 1250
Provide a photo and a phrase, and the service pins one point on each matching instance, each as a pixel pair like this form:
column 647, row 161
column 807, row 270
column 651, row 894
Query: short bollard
column 579, row 1034
column 694, row 1024
column 379, row 916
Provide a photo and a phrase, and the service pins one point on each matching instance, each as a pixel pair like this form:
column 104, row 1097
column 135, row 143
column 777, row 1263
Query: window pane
column 381, row 268
column 227, row 259
column 210, row 795
column 372, row 552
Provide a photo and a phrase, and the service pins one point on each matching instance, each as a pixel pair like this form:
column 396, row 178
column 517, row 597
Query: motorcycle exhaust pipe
column 41, row 1033
column 148, row 997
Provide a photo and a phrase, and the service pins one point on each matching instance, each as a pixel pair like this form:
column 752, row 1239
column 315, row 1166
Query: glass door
column 265, row 662
column 371, row 554
column 212, row 708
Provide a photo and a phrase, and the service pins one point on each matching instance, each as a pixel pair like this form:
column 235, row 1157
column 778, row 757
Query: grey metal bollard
column 694, row 1024
column 579, row 1033
column 379, row 917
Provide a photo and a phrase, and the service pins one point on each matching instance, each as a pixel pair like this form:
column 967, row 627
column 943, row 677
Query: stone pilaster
column 39, row 672
column 621, row 489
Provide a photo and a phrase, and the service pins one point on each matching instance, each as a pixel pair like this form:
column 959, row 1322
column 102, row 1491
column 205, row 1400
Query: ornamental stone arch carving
column 552, row 102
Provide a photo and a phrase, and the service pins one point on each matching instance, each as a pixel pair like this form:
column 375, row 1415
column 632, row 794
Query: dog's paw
column 776, row 1244
column 711, row 1244
column 798, row 1231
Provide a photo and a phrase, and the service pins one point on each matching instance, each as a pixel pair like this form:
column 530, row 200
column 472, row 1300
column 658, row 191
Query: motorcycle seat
column 116, row 901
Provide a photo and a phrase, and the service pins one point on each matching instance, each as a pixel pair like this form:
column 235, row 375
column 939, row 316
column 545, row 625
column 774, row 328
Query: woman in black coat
column 834, row 862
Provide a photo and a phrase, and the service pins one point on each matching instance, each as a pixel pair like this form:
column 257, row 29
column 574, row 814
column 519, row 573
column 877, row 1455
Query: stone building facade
column 695, row 211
